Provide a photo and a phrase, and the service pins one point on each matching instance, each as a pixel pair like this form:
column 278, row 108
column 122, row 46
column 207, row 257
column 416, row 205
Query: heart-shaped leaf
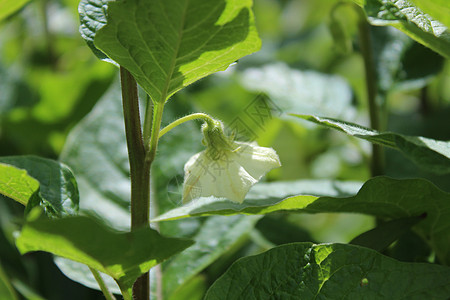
column 122, row 255
column 169, row 44
column 329, row 271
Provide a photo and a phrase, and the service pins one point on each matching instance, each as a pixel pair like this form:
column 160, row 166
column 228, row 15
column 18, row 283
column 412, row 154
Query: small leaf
column 168, row 45
column 381, row 196
column 9, row 7
column 431, row 155
column 411, row 20
column 58, row 187
column 329, row 271
column 17, row 184
column 92, row 18
column 386, row 233
column 122, row 255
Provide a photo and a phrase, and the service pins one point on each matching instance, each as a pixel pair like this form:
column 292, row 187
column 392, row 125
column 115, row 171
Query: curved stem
column 108, row 295
column 180, row 121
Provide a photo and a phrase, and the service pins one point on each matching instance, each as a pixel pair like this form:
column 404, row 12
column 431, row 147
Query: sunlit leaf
column 17, row 184
column 58, row 187
column 432, row 155
column 329, row 271
column 168, row 45
column 381, row 196
column 122, row 255
column 411, row 20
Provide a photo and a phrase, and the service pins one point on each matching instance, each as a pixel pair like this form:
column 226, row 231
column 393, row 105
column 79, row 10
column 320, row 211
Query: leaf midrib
column 174, row 58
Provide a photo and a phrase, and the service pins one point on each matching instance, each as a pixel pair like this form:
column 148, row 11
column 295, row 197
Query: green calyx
column 215, row 139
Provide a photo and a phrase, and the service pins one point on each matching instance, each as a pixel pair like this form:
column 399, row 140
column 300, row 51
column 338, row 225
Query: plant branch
column 139, row 169
column 180, row 121
column 377, row 163
column 101, row 283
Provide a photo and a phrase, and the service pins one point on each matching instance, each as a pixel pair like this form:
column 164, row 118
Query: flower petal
column 256, row 160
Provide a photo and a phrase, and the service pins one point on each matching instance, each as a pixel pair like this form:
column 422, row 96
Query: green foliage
column 123, row 256
column 168, row 45
column 308, row 271
column 57, row 190
column 432, row 155
column 96, row 152
column 411, row 20
column 17, row 184
column 381, row 196
column 55, row 101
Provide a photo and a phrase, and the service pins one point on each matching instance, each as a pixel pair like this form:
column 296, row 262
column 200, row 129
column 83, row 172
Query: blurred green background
column 50, row 80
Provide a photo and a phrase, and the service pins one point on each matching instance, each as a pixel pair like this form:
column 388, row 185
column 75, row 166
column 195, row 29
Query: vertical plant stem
column 108, row 295
column 377, row 163
column 139, row 169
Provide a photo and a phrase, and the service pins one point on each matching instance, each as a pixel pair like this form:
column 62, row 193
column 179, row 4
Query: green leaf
column 429, row 154
column 386, row 233
column 381, row 196
column 58, row 187
column 168, row 45
column 411, row 20
column 17, row 184
column 9, row 7
column 122, row 255
column 263, row 198
column 329, row 271
column 438, row 9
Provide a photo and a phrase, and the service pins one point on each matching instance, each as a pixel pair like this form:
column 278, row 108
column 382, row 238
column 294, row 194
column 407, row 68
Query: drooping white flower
column 226, row 168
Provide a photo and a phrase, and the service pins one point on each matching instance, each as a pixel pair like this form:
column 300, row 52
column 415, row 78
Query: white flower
column 226, row 168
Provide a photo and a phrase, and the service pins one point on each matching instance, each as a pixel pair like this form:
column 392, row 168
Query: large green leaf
column 329, row 271
column 58, row 187
column 9, row 7
column 431, row 155
column 122, row 255
column 411, row 20
column 381, row 196
column 168, row 45
column 17, row 184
